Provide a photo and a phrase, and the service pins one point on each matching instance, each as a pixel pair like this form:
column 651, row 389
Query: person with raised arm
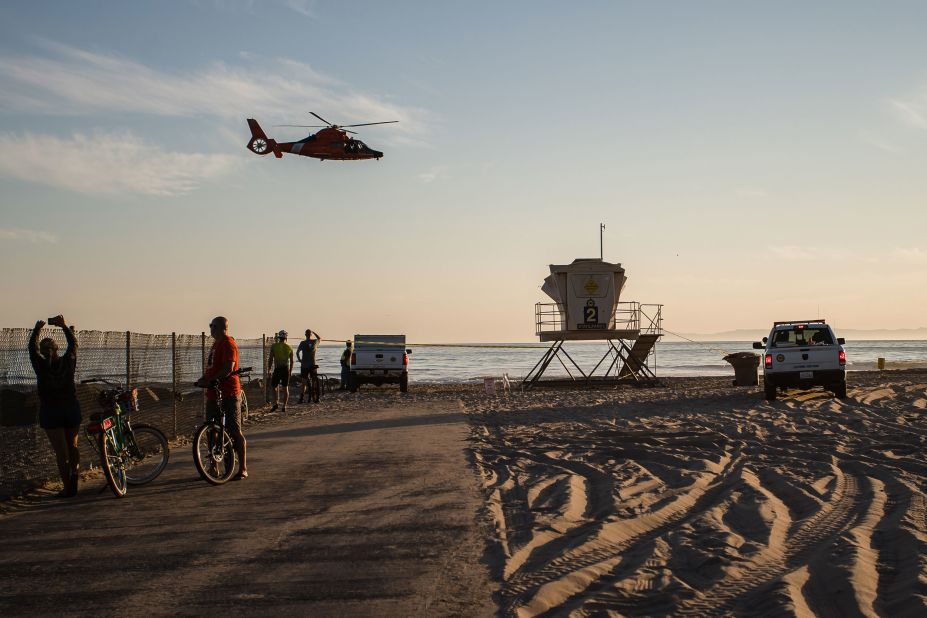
column 59, row 409
column 308, row 370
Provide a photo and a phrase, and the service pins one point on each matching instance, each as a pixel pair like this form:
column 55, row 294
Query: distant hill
column 746, row 334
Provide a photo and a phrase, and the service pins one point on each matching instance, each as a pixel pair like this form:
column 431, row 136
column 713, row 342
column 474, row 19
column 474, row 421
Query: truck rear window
column 802, row 337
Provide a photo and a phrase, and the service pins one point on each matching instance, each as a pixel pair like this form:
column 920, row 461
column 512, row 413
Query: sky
column 751, row 162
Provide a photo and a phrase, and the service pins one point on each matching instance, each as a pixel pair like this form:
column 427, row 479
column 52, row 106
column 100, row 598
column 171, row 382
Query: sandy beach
column 694, row 498
column 702, row 499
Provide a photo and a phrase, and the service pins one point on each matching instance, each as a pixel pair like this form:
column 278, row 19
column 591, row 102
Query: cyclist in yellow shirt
column 281, row 364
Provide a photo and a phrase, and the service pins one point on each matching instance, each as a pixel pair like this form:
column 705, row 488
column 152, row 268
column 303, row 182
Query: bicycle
column 244, row 375
column 130, row 454
column 213, row 447
column 326, row 384
column 316, row 384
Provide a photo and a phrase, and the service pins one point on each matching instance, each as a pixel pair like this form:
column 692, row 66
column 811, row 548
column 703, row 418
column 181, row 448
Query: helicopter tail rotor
column 260, row 143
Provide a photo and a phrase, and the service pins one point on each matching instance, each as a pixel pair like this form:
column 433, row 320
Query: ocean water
column 463, row 364
column 439, row 364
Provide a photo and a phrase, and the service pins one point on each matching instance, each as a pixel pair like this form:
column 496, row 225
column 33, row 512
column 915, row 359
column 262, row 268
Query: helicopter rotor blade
column 367, row 124
column 346, row 131
column 322, row 119
column 305, row 126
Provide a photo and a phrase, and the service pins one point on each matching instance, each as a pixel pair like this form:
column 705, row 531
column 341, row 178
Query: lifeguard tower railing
column 630, row 317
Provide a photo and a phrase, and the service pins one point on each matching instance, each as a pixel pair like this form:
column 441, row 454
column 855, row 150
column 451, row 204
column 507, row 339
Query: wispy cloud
column 905, row 255
column 910, row 255
column 751, row 193
column 75, row 81
column 106, row 164
column 878, row 142
column 911, row 112
column 306, row 8
column 794, row 252
column 432, row 174
column 32, row 236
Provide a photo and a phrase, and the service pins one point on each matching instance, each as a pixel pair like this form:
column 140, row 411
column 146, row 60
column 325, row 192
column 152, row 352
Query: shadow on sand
column 409, row 421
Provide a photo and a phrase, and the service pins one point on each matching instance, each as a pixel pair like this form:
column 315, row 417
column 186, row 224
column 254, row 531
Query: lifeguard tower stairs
column 587, row 308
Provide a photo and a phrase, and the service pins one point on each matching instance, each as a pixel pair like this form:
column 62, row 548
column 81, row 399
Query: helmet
column 282, row 334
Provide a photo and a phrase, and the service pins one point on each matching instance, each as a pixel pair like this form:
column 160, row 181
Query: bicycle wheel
column 112, row 464
column 215, row 459
column 147, row 456
column 244, row 405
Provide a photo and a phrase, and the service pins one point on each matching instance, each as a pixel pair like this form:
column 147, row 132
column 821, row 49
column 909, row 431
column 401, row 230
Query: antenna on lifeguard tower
column 601, row 250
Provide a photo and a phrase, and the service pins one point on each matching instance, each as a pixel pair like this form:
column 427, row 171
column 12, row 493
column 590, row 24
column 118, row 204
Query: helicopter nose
column 376, row 153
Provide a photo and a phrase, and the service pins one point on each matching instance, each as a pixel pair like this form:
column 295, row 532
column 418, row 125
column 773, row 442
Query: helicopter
column 331, row 142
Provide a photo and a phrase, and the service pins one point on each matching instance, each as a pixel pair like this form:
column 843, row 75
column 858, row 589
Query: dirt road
column 365, row 512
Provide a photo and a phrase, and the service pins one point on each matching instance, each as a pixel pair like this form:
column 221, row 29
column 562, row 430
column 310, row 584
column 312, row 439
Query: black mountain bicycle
column 213, row 447
column 130, row 453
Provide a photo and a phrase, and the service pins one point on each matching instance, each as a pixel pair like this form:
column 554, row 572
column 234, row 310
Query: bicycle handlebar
column 101, row 381
column 215, row 382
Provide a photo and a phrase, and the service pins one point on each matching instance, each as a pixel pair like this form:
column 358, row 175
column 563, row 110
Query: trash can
column 746, row 366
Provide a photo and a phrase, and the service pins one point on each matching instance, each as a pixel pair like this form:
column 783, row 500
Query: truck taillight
column 353, row 358
column 768, row 360
column 405, row 359
column 842, row 357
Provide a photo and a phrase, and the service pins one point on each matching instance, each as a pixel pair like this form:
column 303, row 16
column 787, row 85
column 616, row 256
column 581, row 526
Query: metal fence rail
column 630, row 315
column 163, row 366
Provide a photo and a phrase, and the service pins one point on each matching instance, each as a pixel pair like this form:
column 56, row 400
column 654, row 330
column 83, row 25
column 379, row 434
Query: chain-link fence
column 163, row 367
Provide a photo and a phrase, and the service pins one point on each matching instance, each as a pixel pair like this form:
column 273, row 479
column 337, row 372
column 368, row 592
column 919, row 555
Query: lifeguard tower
column 586, row 307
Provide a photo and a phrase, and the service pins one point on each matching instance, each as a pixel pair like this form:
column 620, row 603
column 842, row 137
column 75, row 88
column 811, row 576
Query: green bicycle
column 130, row 453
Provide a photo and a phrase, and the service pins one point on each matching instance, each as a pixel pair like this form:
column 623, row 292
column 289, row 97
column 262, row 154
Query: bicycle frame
column 117, row 426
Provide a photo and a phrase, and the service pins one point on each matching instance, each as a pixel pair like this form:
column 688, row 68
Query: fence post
column 174, row 380
column 128, row 359
column 203, row 367
column 264, row 365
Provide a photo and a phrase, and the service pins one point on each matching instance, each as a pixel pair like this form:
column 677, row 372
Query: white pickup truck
column 379, row 359
column 803, row 354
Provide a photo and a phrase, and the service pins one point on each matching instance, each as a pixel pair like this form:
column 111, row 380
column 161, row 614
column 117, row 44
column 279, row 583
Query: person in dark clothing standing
column 308, row 370
column 59, row 410
column 346, row 365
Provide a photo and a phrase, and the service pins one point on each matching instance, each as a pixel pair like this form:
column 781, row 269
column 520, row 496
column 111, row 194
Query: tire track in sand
column 572, row 572
column 806, row 538
column 612, row 590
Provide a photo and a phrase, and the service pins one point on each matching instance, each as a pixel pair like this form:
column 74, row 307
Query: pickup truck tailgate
column 805, row 358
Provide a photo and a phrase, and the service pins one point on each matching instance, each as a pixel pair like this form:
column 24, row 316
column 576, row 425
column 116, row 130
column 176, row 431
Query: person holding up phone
column 59, row 410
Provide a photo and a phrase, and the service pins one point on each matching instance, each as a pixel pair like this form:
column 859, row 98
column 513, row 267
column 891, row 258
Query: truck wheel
column 404, row 383
column 770, row 390
column 840, row 392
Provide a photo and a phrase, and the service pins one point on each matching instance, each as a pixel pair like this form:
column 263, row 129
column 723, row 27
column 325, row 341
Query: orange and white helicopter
column 331, row 142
